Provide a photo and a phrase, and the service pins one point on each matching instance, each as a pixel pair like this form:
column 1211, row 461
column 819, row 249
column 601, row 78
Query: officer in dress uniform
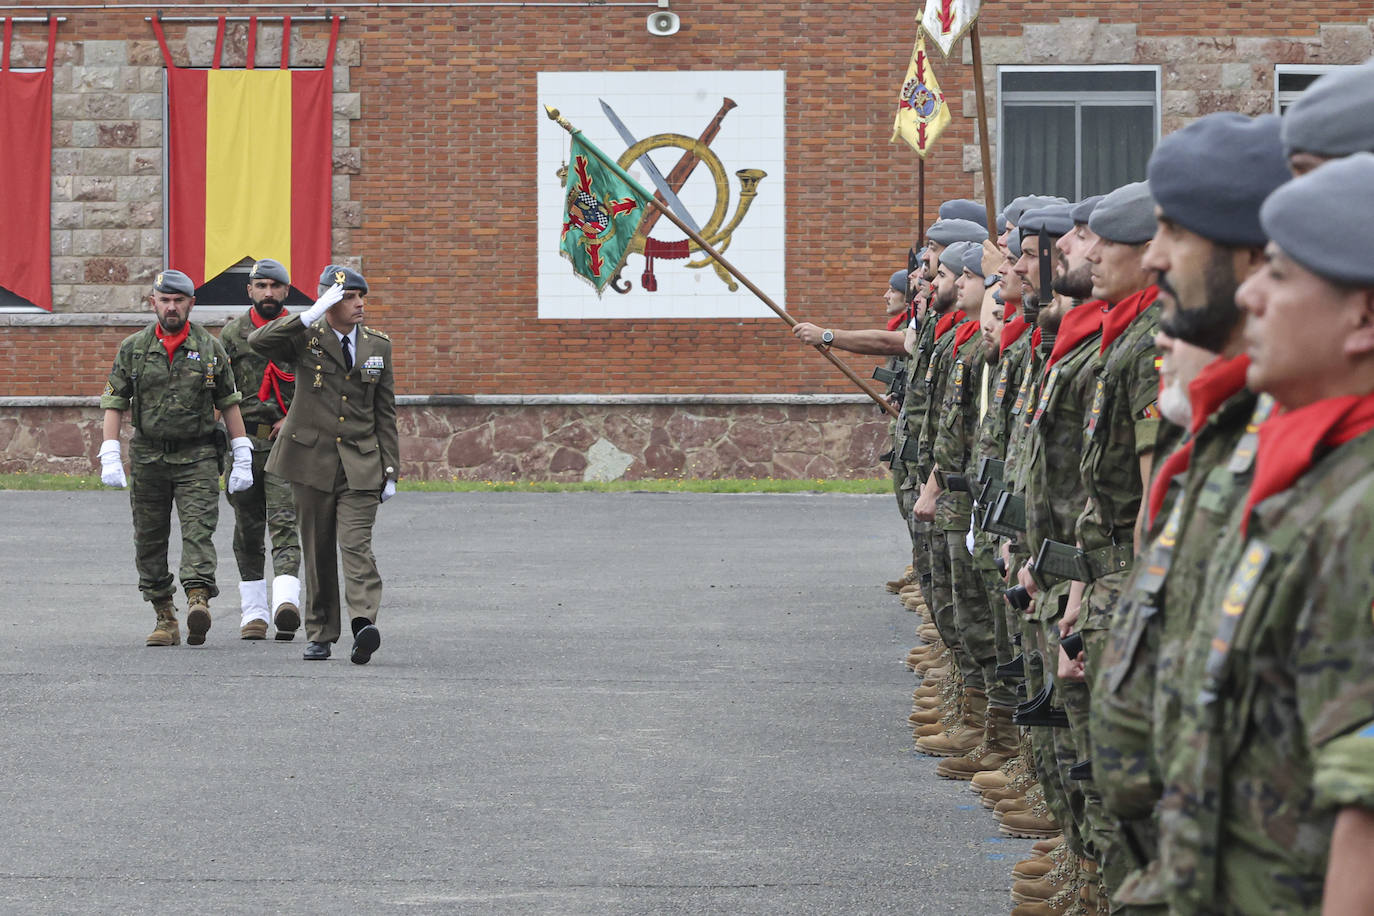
column 340, row 450
column 173, row 375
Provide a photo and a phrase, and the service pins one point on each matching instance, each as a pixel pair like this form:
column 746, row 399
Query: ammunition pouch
column 1064, row 561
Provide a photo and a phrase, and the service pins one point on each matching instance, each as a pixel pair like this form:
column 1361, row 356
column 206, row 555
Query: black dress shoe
column 316, row 651
column 366, row 641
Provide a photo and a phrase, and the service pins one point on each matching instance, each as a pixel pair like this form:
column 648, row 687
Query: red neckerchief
column 176, row 340
column 1290, row 442
column 1216, row 384
column 966, row 330
column 1035, row 339
column 896, row 320
column 1079, row 324
column 947, row 321
column 1012, row 331
column 275, row 375
column 1124, row 312
column 1011, row 310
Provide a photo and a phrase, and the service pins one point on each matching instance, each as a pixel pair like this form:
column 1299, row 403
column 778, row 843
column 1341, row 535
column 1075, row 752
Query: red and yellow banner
column 922, row 113
column 250, row 157
column 26, row 170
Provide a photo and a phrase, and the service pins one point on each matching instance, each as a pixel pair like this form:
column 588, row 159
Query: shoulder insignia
column 375, row 333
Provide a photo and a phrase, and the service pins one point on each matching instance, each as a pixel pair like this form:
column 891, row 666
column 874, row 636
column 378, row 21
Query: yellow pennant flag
column 922, row 113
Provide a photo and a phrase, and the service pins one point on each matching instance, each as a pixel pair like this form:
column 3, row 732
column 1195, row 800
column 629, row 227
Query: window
column 226, row 295
column 1075, row 131
column 1291, row 80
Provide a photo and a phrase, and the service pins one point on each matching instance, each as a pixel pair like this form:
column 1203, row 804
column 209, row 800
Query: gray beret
column 1319, row 219
column 949, row 231
column 350, row 278
column 1055, row 219
column 174, row 281
column 1211, row 176
column 953, row 256
column 1084, row 208
column 1018, row 207
column 268, row 269
column 973, row 260
column 1014, row 245
column 898, row 282
column 1334, row 116
column 963, row 208
column 1126, row 215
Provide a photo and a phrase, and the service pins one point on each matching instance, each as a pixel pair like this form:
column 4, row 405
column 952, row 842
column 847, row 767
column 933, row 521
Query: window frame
column 1282, row 99
column 1107, row 98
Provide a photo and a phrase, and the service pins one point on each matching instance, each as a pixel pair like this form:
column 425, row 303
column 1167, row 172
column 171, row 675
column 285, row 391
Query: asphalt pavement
column 583, row 704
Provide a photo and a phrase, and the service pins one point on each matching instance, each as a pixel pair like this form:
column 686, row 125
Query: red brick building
column 436, row 180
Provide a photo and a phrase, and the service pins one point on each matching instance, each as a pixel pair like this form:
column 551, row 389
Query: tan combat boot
column 948, row 713
column 907, row 578
column 1045, row 847
column 1014, row 790
column 1062, row 872
column 1034, row 868
column 999, row 745
column 1064, row 902
column 999, row 778
column 1034, row 823
column 197, row 615
column 928, row 632
column 1092, row 896
column 964, row 735
column 167, row 632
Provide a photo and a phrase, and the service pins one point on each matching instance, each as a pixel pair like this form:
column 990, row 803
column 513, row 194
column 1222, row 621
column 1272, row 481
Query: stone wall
column 563, row 442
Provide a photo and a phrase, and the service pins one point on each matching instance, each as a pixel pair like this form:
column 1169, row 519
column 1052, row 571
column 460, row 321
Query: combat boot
column 948, row 711
column 936, row 658
column 197, row 615
column 1035, row 823
column 1014, row 790
column 1034, row 868
column 966, row 734
column 928, row 632
column 907, row 578
column 997, row 747
column 1064, row 903
column 1092, row 896
column 1045, row 847
column 1061, row 874
column 167, row 632
column 945, row 704
column 1001, row 777
column 286, row 594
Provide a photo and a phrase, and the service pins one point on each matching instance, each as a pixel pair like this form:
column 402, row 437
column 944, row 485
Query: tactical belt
column 176, row 445
column 1065, row 561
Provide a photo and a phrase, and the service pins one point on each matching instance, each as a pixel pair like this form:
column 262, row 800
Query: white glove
column 111, row 467
column 388, row 489
column 241, row 472
column 322, row 304
column 968, row 538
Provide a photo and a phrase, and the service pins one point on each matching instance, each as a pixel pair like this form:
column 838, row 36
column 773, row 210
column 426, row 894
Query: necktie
column 348, row 353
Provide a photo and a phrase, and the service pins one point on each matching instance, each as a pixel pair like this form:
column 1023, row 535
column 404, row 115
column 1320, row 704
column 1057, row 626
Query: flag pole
column 705, row 246
column 920, row 202
column 989, row 195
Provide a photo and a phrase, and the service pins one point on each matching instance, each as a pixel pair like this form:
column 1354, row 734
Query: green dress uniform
column 338, row 447
column 267, row 507
column 1276, row 727
column 174, row 458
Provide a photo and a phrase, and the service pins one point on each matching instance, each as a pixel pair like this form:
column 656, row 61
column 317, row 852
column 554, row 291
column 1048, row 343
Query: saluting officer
column 267, row 506
column 174, row 375
column 340, row 450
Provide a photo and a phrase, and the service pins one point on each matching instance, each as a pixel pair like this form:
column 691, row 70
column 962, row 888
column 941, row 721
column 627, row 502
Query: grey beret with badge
column 1334, row 116
column 973, row 260
column 1055, row 219
column 350, row 278
column 174, row 282
column 1081, row 211
column 1014, row 211
column 953, row 255
column 1014, row 245
column 1321, row 219
column 1212, row 176
column 898, row 282
column 949, row 231
column 268, row 269
column 963, row 208
column 1126, row 215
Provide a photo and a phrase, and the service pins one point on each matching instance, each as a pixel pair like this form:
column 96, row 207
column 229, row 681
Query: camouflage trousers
column 973, row 619
column 154, row 487
column 265, row 507
column 942, row 590
column 1001, row 692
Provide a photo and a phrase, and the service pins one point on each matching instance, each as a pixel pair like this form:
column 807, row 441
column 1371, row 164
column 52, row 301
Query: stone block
column 106, row 270
column 341, row 133
column 340, row 239
column 61, row 134
column 341, row 79
column 105, row 106
column 61, row 296
column 309, row 52
column 1003, row 49
column 1114, row 44
column 348, row 213
column 115, row 133
column 145, row 106
column 199, row 45
column 150, row 243
column 143, row 53
column 103, row 162
column 83, row 134
column 61, row 187
column 86, row 242
column 348, row 105
column 1345, row 44
column 89, row 79
column 1184, row 103
column 139, row 188
column 1069, row 42
column 68, row 215
column 142, row 270
column 66, row 105
column 61, row 243
column 121, row 243
column 973, row 159
column 1237, row 76
column 64, row 161
column 145, row 214
column 149, row 134
column 68, row 270
column 107, row 298
column 348, row 161
column 104, row 53
column 107, row 215
column 471, row 448
column 1187, row 75
column 152, row 79
column 348, row 52
column 86, row 187
column 144, row 162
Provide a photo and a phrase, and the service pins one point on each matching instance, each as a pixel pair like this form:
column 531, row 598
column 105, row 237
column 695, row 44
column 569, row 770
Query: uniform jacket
column 337, row 416
column 248, row 371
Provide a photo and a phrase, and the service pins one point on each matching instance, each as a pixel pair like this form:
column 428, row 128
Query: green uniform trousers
column 265, row 507
column 337, row 524
column 154, row 487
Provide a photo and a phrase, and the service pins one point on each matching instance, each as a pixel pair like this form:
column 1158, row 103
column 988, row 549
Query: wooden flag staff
column 988, row 192
column 763, row 297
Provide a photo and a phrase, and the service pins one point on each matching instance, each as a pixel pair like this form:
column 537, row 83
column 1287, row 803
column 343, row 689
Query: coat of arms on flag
column 603, row 208
column 922, row 113
column 946, row 21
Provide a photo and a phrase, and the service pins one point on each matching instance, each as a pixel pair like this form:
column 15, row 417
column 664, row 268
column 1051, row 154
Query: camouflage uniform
column 913, row 416
column 267, row 506
column 1141, row 655
column 173, row 455
column 1276, row 726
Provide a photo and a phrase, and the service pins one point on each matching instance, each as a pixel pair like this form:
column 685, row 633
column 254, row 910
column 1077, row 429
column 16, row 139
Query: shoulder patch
column 375, row 333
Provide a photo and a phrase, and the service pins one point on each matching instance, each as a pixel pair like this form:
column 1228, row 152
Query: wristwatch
column 827, row 337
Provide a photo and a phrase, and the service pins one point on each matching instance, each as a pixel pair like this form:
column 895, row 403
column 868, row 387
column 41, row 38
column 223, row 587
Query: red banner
column 230, row 194
column 26, row 167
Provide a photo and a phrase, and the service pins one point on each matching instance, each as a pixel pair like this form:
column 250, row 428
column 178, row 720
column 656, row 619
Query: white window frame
column 1282, row 99
column 1064, row 99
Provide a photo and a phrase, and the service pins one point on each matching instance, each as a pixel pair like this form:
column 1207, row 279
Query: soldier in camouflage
column 173, row 375
column 267, row 506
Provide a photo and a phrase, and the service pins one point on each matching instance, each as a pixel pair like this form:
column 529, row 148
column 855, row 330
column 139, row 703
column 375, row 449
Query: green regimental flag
column 604, row 207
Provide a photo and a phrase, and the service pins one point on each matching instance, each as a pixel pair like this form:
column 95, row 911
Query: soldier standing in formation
column 267, row 507
column 172, row 376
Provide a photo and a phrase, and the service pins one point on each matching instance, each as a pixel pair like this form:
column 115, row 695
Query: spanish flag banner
column 922, row 113
column 250, row 156
column 26, row 167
